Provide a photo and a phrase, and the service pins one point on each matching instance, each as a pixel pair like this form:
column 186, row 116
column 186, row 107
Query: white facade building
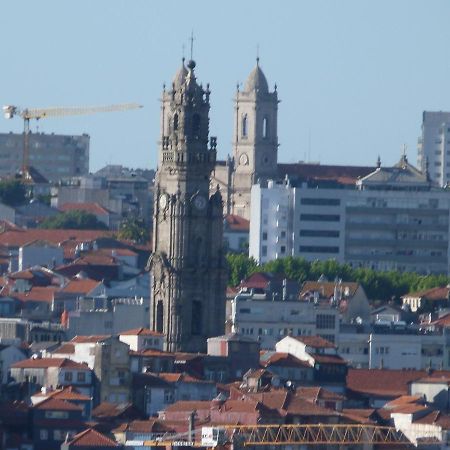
column 391, row 219
column 434, row 146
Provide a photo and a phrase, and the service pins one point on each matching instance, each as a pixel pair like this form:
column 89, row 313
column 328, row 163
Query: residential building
column 40, row 252
column 330, row 369
column 53, row 372
column 373, row 221
column 100, row 213
column 428, row 300
column 142, row 338
column 434, row 146
column 54, row 156
column 236, row 233
column 9, row 355
column 90, row 439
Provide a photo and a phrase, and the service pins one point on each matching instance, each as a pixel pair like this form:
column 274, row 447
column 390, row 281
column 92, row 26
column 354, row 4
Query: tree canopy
column 134, row 229
column 74, row 220
column 12, row 192
column 378, row 285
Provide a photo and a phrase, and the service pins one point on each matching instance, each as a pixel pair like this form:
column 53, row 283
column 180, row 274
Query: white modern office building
column 395, row 218
column 434, row 146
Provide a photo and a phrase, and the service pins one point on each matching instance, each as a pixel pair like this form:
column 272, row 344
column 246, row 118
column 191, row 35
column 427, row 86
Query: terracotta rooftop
column 435, row 418
column 433, row 294
column 283, row 360
column 43, row 363
column 315, row 393
column 19, row 236
column 347, row 175
column 314, row 341
column 236, row 223
column 326, row 289
column 145, row 426
column 80, row 286
column 67, row 393
column 66, row 349
column 92, row 438
column 443, row 321
column 57, row 404
column 382, row 382
column 93, row 208
column 140, row 332
column 43, row 294
column 184, row 377
column 93, row 339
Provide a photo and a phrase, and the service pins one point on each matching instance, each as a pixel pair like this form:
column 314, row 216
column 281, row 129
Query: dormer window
column 265, row 128
column 244, row 126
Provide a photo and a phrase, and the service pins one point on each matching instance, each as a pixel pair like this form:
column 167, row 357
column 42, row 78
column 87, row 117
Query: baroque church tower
column 187, row 265
column 255, row 139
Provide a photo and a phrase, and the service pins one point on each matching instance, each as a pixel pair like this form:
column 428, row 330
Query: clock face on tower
column 163, row 201
column 199, row 202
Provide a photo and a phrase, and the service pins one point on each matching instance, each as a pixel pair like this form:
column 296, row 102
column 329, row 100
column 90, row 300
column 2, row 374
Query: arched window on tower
column 159, row 316
column 175, row 122
column 244, row 126
column 265, row 128
column 195, row 125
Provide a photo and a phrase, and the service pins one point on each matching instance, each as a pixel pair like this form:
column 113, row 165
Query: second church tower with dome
column 255, row 143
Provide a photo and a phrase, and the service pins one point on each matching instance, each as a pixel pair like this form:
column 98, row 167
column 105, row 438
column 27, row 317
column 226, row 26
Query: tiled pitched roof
column 43, row 363
column 326, row 288
column 93, row 208
column 111, row 410
column 435, row 418
column 382, row 382
column 66, row 349
column 433, row 294
column 92, row 438
column 67, row 393
column 140, row 332
column 236, row 223
column 189, row 405
column 20, row 236
column 347, row 175
column 43, row 294
column 80, row 286
column 314, row 341
column 145, row 426
column 443, row 321
column 57, row 404
column 93, row 339
column 283, row 360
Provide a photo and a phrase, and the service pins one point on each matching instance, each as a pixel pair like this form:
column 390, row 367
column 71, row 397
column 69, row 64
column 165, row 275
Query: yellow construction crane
column 280, row 435
column 40, row 113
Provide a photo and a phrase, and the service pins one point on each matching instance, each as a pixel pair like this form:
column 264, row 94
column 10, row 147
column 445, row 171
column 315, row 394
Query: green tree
column 74, row 220
column 241, row 266
column 134, row 229
column 12, row 192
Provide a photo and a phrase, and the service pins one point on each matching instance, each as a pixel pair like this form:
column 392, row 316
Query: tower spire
column 257, row 54
column 192, row 44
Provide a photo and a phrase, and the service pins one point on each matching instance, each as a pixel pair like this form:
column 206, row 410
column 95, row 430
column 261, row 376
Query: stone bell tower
column 187, row 265
column 255, row 138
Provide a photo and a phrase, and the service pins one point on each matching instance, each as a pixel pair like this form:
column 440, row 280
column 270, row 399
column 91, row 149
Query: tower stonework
column 255, row 139
column 187, row 264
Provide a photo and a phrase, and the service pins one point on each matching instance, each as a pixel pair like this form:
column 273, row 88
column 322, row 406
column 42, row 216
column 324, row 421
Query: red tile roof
column 317, row 172
column 44, row 363
column 433, row 294
column 435, row 418
column 237, row 223
column 43, row 294
column 140, row 332
column 66, row 349
column 314, row 341
column 67, row 393
column 80, row 286
column 184, row 377
column 382, row 382
column 92, row 438
column 283, row 360
column 326, row 289
column 57, row 404
column 21, row 236
column 145, row 426
column 93, row 339
column 93, row 208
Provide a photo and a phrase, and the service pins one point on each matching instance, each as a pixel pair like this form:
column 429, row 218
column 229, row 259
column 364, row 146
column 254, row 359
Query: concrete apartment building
column 394, row 218
column 434, row 146
column 54, row 156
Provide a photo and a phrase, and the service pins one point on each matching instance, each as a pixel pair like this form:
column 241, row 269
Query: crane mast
column 57, row 111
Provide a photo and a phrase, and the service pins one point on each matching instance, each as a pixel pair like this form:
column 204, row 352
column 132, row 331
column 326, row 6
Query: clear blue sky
column 354, row 75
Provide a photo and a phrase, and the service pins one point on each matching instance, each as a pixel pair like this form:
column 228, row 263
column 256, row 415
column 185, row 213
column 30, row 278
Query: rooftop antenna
column 192, row 44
